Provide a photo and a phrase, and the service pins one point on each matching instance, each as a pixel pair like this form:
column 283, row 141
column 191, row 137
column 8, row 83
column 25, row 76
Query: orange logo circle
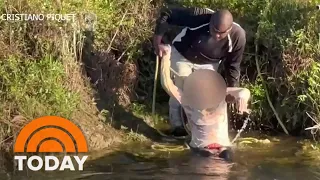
column 51, row 134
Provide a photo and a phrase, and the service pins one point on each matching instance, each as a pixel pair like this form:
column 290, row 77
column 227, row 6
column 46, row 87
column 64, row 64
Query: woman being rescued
column 204, row 101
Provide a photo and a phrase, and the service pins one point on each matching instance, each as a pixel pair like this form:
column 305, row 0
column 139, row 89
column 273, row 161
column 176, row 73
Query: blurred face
column 220, row 31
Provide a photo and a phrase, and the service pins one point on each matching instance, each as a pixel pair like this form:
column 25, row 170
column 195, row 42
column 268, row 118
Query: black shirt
column 197, row 45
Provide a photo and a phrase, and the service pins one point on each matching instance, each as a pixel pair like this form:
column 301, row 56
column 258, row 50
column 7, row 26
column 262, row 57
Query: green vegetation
column 35, row 88
column 44, row 65
column 283, row 37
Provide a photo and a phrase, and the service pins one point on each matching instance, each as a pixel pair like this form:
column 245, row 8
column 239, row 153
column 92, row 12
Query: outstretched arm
column 186, row 17
column 166, row 80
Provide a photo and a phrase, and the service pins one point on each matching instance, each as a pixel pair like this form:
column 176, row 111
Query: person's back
column 210, row 127
column 203, row 100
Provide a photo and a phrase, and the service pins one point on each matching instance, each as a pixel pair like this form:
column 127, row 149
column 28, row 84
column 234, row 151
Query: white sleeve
column 242, row 96
column 166, row 80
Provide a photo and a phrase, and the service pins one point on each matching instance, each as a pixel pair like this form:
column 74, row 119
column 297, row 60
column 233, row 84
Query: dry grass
column 77, row 69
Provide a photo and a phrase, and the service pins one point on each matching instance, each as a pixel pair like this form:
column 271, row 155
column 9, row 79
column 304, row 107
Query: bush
column 41, row 61
column 34, row 88
column 283, row 38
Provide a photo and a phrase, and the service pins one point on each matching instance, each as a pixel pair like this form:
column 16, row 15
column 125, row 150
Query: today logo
column 50, row 134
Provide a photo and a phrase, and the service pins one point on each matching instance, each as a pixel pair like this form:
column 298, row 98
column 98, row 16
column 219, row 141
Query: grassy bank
column 77, row 69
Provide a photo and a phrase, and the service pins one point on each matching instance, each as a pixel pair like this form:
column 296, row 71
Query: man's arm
column 188, row 17
column 233, row 61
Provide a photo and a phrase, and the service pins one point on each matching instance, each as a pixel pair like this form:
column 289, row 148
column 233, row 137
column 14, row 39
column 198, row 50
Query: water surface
column 282, row 159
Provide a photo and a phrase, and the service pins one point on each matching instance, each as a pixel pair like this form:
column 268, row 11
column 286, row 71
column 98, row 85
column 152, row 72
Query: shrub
column 283, row 38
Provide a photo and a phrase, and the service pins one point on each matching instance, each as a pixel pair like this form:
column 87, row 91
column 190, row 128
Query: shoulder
column 190, row 10
column 206, row 11
column 238, row 33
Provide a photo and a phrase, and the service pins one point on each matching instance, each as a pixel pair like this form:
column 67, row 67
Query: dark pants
column 225, row 154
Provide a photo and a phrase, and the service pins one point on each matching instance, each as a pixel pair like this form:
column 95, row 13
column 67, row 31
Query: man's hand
column 160, row 49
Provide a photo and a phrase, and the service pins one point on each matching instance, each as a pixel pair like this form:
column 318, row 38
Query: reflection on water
column 278, row 161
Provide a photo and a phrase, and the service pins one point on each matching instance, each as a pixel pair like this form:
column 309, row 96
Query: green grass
column 158, row 120
column 41, row 66
column 35, row 88
column 31, row 89
column 40, row 74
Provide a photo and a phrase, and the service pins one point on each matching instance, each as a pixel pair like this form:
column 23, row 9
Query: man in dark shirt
column 208, row 39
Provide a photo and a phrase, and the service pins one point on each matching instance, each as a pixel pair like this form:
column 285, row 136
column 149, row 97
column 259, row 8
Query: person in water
column 204, row 100
column 208, row 39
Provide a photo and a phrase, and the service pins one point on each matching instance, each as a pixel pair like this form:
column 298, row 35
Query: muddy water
column 285, row 158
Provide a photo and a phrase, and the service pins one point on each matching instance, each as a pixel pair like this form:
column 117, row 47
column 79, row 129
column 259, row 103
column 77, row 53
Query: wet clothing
column 196, row 44
column 181, row 68
column 207, row 126
column 218, row 151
